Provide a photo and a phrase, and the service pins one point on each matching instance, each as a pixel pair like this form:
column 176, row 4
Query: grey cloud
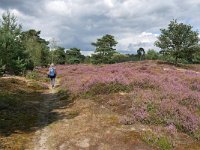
column 85, row 21
column 27, row 7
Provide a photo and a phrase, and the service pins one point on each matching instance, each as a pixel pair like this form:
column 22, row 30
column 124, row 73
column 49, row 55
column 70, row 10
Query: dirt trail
column 85, row 125
column 42, row 135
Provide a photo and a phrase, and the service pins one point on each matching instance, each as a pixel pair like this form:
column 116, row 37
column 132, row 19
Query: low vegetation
column 25, row 107
column 158, row 90
column 19, row 104
column 153, row 93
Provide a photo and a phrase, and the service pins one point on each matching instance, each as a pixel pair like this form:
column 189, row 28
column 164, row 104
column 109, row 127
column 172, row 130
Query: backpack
column 52, row 72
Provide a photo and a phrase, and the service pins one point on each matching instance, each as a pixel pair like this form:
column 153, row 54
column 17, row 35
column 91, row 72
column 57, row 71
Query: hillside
column 139, row 105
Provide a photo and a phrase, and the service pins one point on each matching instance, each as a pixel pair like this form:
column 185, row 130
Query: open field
column 162, row 96
column 133, row 105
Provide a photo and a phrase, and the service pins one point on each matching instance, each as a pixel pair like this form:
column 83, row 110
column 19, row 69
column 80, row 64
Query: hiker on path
column 52, row 74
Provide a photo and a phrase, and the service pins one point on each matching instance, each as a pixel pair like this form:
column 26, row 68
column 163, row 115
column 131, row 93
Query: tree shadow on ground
column 25, row 111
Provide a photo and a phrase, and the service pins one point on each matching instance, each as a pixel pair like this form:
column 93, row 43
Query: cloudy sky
column 77, row 23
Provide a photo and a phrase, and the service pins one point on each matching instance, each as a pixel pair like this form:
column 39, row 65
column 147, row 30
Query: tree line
column 178, row 44
column 23, row 50
column 20, row 50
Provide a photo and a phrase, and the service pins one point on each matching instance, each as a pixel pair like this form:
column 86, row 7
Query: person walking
column 52, row 75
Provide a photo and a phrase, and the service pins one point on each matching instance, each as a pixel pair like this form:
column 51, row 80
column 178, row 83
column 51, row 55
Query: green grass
column 18, row 117
column 161, row 141
column 19, row 107
column 37, row 76
column 17, row 113
column 37, row 86
column 21, row 104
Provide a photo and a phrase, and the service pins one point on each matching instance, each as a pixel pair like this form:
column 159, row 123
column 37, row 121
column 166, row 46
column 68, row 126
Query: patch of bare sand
column 94, row 127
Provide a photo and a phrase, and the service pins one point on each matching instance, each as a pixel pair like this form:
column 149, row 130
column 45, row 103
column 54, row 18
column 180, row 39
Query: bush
column 20, row 66
column 161, row 141
column 2, row 68
column 152, row 55
column 32, row 75
column 73, row 60
column 117, row 58
column 102, row 88
column 196, row 58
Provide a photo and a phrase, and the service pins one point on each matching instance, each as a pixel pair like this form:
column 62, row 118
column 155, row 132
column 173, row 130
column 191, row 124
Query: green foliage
column 59, row 55
column 152, row 55
column 104, row 49
column 132, row 57
column 37, row 75
column 87, row 59
column 63, row 94
column 36, row 47
column 102, row 88
column 178, row 41
column 117, row 57
column 196, row 57
column 32, row 75
column 197, row 135
column 20, row 66
column 2, row 68
column 19, row 50
column 74, row 56
column 99, row 59
column 160, row 141
column 11, row 47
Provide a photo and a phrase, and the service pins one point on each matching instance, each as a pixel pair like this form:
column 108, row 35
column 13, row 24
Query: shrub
column 152, row 55
column 102, row 88
column 32, row 75
column 160, row 141
column 160, row 94
column 19, row 67
column 2, row 68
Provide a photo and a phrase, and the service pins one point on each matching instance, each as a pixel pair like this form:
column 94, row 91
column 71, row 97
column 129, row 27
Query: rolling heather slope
column 146, row 105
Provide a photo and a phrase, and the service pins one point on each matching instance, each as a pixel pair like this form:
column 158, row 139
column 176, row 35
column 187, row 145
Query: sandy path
column 41, row 136
column 85, row 125
column 88, row 127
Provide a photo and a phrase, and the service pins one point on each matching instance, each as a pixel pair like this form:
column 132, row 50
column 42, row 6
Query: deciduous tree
column 179, row 41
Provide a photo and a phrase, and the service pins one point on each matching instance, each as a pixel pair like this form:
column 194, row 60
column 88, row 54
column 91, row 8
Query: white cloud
column 87, row 53
column 59, row 7
column 77, row 23
column 132, row 42
column 109, row 3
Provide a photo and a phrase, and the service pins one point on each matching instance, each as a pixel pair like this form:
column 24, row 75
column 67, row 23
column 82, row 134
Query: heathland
column 132, row 105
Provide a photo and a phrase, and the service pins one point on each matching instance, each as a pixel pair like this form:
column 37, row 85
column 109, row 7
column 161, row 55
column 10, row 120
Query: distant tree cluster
column 70, row 56
column 24, row 50
column 19, row 50
column 74, row 56
column 105, row 52
column 178, row 44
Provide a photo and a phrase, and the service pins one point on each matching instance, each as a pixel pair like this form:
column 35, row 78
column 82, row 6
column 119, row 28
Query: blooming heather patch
column 160, row 93
column 78, row 78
